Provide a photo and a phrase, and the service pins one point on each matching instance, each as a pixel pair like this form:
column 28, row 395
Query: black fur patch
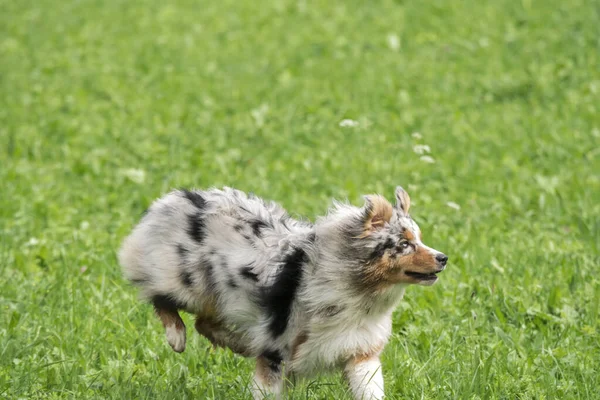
column 142, row 281
column 196, row 227
column 186, row 278
column 274, row 358
column 311, row 237
column 380, row 249
column 231, row 283
column 209, row 273
column 182, row 251
column 279, row 297
column 247, row 272
column 257, row 225
column 284, row 221
column 244, row 209
column 223, row 261
column 206, row 267
column 195, row 198
column 331, row 311
column 165, row 302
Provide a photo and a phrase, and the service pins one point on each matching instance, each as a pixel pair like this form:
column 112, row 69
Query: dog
column 302, row 298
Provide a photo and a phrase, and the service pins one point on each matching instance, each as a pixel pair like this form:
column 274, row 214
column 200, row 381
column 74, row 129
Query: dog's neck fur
column 326, row 286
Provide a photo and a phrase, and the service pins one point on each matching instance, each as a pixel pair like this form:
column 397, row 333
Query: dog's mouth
column 432, row 276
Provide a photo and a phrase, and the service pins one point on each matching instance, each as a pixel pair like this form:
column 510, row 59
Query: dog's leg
column 268, row 378
column 219, row 336
column 174, row 326
column 365, row 378
column 211, row 330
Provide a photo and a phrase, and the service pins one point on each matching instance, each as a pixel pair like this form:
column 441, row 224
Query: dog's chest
column 330, row 343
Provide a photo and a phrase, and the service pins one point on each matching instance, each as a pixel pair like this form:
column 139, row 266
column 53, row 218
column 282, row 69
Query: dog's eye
column 404, row 245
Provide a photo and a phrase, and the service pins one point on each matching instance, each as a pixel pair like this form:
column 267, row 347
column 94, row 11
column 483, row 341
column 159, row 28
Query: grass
column 104, row 106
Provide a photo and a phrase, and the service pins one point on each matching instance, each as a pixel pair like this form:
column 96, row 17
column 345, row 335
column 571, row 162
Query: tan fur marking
column 408, row 235
column 375, row 350
column 389, row 270
column 219, row 335
column 423, row 260
column 207, row 321
column 376, row 274
column 264, row 372
column 262, row 369
column 206, row 327
column 210, row 309
column 169, row 318
column 381, row 212
column 300, row 339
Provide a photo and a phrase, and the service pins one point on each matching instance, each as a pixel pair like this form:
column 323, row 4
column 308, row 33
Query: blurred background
column 486, row 112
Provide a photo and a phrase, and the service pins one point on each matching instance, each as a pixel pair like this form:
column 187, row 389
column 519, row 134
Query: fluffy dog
column 299, row 297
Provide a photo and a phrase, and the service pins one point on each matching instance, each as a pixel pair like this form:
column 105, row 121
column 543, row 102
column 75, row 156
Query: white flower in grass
column 452, row 204
column 427, row 159
column 417, row 135
column 32, row 242
column 421, row 149
column 393, row 41
column 134, row 174
column 259, row 114
column 348, row 123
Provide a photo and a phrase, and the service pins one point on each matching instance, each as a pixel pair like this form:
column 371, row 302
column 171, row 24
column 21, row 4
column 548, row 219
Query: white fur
column 366, row 379
column 262, row 389
column 175, row 337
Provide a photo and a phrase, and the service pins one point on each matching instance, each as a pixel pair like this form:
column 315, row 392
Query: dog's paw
column 176, row 337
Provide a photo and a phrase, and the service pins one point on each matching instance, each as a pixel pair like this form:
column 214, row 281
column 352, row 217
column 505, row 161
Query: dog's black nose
column 442, row 259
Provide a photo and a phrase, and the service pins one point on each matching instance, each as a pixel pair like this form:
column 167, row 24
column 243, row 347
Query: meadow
column 486, row 112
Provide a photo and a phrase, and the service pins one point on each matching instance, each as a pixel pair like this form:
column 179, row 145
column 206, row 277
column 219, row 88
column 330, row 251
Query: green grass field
column 107, row 105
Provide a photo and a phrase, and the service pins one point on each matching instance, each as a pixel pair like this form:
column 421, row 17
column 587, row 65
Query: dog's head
column 388, row 244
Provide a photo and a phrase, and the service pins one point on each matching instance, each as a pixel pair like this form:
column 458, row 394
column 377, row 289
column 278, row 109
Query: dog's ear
column 402, row 200
column 377, row 211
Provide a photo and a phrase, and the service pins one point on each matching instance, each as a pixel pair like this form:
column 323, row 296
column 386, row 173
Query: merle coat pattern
column 290, row 293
